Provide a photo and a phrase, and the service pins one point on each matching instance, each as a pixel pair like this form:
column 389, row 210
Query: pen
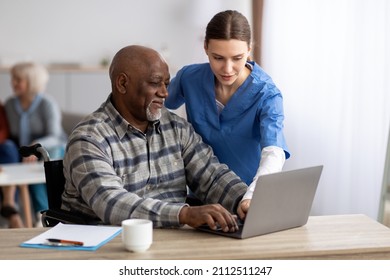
column 67, row 242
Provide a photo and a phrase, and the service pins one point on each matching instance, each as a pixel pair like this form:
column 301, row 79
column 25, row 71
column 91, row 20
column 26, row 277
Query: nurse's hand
column 243, row 208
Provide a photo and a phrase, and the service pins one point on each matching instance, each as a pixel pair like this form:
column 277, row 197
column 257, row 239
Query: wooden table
column 23, row 174
column 323, row 237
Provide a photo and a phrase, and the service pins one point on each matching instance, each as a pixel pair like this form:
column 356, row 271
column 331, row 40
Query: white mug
column 137, row 234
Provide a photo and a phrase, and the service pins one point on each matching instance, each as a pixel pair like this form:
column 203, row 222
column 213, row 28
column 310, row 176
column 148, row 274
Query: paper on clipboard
column 92, row 236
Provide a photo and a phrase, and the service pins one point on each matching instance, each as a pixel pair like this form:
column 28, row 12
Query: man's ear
column 121, row 83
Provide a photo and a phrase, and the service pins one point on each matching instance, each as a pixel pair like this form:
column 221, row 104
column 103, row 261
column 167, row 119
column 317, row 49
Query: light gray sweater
column 44, row 123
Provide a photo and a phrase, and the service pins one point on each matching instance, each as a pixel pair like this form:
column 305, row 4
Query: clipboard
column 91, row 236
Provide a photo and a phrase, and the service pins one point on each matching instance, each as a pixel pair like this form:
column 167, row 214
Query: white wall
column 89, row 30
column 331, row 60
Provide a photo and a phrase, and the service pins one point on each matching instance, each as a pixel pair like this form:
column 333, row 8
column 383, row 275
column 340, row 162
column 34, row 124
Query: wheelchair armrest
column 52, row 217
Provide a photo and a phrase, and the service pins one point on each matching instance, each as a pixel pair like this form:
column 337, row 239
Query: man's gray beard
column 152, row 117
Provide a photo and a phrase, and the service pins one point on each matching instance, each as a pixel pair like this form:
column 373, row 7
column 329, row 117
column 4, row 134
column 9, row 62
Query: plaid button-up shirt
column 115, row 172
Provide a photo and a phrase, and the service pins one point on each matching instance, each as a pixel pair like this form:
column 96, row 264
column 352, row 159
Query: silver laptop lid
column 281, row 201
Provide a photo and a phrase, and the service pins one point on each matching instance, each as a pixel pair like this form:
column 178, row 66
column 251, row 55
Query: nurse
column 232, row 103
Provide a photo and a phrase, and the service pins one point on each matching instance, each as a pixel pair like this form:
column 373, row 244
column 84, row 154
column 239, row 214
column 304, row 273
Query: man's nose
column 163, row 92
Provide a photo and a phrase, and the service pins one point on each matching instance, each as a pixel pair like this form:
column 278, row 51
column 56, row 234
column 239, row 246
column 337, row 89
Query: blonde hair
column 36, row 75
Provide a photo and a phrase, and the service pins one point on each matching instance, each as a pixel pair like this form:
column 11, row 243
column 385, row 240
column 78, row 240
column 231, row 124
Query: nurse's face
column 227, row 59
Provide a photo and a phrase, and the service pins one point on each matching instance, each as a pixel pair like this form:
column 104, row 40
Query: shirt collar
column 121, row 125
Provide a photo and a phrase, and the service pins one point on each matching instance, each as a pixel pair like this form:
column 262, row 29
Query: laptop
column 280, row 201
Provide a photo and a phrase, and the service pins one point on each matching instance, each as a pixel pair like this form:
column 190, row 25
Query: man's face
column 147, row 91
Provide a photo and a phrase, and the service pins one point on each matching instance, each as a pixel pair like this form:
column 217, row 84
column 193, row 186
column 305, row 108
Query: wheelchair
column 55, row 183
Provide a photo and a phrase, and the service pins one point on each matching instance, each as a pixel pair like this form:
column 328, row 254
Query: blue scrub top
column 252, row 119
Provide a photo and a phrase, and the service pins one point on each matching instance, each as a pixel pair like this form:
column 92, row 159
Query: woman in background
column 8, row 154
column 34, row 118
column 232, row 103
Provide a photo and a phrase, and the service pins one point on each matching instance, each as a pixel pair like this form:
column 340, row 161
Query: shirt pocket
column 135, row 182
column 170, row 171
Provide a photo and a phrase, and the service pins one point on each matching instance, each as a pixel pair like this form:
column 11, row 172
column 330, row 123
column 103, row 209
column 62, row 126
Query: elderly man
column 132, row 158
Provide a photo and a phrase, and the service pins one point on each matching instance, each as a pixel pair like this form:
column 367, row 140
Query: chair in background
column 70, row 120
